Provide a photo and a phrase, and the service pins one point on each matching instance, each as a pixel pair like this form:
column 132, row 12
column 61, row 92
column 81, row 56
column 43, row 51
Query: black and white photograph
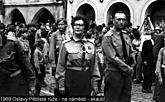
column 82, row 50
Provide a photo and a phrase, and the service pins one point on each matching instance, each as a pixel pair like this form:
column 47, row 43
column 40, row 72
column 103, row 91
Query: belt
column 15, row 73
column 78, row 68
column 112, row 68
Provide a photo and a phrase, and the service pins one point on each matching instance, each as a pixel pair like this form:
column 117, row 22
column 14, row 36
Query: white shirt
column 144, row 38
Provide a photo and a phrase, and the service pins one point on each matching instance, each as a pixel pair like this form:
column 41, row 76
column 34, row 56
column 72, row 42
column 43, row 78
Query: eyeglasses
column 119, row 19
column 61, row 24
column 80, row 25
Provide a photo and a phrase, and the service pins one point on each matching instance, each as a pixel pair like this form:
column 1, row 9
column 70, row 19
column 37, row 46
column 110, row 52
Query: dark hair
column 92, row 26
column 2, row 26
column 44, row 34
column 22, row 31
column 136, row 33
column 39, row 42
column 62, row 19
column 11, row 28
column 22, row 25
column 99, row 28
column 76, row 18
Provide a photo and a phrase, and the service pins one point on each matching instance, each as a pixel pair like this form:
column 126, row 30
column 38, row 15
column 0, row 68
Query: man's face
column 62, row 26
column 119, row 20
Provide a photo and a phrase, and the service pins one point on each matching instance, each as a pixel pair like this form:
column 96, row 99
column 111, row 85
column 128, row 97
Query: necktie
column 125, row 55
column 83, row 55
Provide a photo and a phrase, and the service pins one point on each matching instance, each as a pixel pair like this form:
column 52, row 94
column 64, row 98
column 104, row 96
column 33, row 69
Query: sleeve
column 61, row 66
column 111, row 55
column 36, row 61
column 95, row 71
column 37, row 35
column 159, row 41
column 52, row 49
column 141, row 42
column 26, row 66
column 132, row 56
column 29, row 54
column 158, row 64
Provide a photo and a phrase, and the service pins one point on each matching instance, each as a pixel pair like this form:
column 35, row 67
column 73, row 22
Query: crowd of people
column 81, row 57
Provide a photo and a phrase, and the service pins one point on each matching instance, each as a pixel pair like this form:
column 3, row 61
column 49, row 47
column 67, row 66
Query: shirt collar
column 77, row 39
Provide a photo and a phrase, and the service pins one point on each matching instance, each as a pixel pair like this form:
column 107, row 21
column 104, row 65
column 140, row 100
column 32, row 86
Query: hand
column 32, row 91
column 62, row 90
column 160, row 80
column 39, row 72
column 53, row 65
column 134, row 64
column 145, row 63
column 130, row 72
column 95, row 89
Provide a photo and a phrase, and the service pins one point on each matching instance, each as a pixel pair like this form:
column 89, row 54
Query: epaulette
column 90, row 41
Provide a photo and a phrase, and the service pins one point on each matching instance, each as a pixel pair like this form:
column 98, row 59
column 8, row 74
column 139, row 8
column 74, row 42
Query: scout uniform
column 160, row 72
column 118, row 71
column 16, row 72
column 77, row 67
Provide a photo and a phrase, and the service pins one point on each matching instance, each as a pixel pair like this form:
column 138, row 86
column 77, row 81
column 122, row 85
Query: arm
column 52, row 50
column 111, row 55
column 158, row 45
column 158, row 66
column 95, row 70
column 61, row 67
column 26, row 66
column 36, row 62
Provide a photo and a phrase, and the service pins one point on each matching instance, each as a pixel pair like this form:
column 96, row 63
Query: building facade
column 31, row 11
column 101, row 11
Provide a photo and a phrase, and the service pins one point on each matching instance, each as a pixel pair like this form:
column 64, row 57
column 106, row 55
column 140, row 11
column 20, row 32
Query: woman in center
column 77, row 71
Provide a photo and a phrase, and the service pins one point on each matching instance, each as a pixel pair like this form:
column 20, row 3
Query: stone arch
column 43, row 15
column 14, row 16
column 155, row 9
column 88, row 9
column 117, row 5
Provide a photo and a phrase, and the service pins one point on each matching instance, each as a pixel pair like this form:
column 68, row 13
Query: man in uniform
column 118, row 53
column 17, row 76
